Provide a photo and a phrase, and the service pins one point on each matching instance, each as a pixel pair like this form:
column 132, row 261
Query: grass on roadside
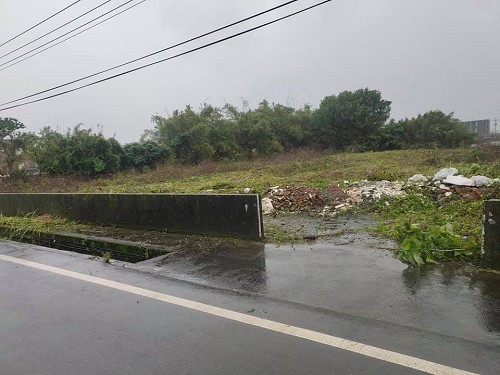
column 277, row 234
column 34, row 224
column 429, row 231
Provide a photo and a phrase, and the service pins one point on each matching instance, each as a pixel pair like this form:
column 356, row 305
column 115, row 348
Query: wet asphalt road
column 54, row 324
column 352, row 273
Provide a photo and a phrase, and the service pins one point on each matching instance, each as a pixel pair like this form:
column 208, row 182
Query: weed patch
column 106, row 257
column 279, row 235
column 429, row 231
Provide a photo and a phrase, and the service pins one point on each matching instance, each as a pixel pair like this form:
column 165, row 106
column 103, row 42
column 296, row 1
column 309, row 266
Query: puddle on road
column 354, row 273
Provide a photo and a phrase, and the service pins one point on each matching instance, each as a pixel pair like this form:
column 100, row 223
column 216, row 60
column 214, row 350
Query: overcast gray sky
column 421, row 54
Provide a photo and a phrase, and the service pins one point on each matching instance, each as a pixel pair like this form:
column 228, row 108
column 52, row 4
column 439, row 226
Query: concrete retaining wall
column 491, row 234
column 237, row 215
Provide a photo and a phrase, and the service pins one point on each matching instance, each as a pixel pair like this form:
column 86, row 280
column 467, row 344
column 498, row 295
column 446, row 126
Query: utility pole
column 495, row 127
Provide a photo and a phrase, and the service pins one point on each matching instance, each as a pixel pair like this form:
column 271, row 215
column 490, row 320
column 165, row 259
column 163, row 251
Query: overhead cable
column 39, row 23
column 172, row 57
column 63, row 35
column 150, row 54
column 72, row 36
column 57, row 28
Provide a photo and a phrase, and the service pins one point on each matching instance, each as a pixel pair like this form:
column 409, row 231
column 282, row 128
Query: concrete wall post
column 491, row 234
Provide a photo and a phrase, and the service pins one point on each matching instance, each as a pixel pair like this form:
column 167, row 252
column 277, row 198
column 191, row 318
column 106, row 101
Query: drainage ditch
column 120, row 250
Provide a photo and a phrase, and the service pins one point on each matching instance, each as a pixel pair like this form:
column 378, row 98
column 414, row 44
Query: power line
column 63, row 35
column 57, row 28
column 71, row 37
column 39, row 23
column 151, row 54
column 172, row 57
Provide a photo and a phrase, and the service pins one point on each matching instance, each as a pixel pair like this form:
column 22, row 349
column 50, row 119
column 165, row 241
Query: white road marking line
column 335, row 342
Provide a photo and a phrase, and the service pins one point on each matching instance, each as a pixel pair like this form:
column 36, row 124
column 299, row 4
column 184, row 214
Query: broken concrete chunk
column 459, row 181
column 481, row 181
column 443, row 173
column 267, row 206
column 418, row 179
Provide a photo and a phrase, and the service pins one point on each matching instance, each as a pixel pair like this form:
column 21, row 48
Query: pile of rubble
column 444, row 183
column 295, row 198
column 301, row 198
column 327, row 201
column 373, row 190
column 447, row 182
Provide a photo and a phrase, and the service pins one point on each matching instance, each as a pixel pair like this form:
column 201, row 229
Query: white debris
column 418, row 179
column 443, row 173
column 481, row 181
column 247, row 190
column 267, row 206
column 375, row 190
column 448, row 193
column 459, row 180
column 327, row 212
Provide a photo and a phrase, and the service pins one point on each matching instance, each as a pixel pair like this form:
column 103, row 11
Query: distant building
column 479, row 127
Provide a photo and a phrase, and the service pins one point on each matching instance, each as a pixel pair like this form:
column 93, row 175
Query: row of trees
column 356, row 121
column 79, row 152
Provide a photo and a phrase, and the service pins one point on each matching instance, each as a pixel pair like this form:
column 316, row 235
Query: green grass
column 275, row 233
column 31, row 226
column 305, row 167
column 34, row 223
column 429, row 231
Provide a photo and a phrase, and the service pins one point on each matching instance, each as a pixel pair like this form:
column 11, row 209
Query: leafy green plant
column 435, row 244
column 428, row 231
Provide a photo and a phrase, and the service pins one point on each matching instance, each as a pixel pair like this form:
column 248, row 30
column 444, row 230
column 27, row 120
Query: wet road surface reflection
column 351, row 277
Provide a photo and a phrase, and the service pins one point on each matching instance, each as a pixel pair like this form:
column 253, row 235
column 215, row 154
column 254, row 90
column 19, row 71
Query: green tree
column 289, row 126
column 255, row 134
column 47, row 150
column 435, row 128
column 90, row 154
column 350, row 119
column 390, row 136
column 12, row 144
column 139, row 155
column 194, row 137
column 79, row 152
